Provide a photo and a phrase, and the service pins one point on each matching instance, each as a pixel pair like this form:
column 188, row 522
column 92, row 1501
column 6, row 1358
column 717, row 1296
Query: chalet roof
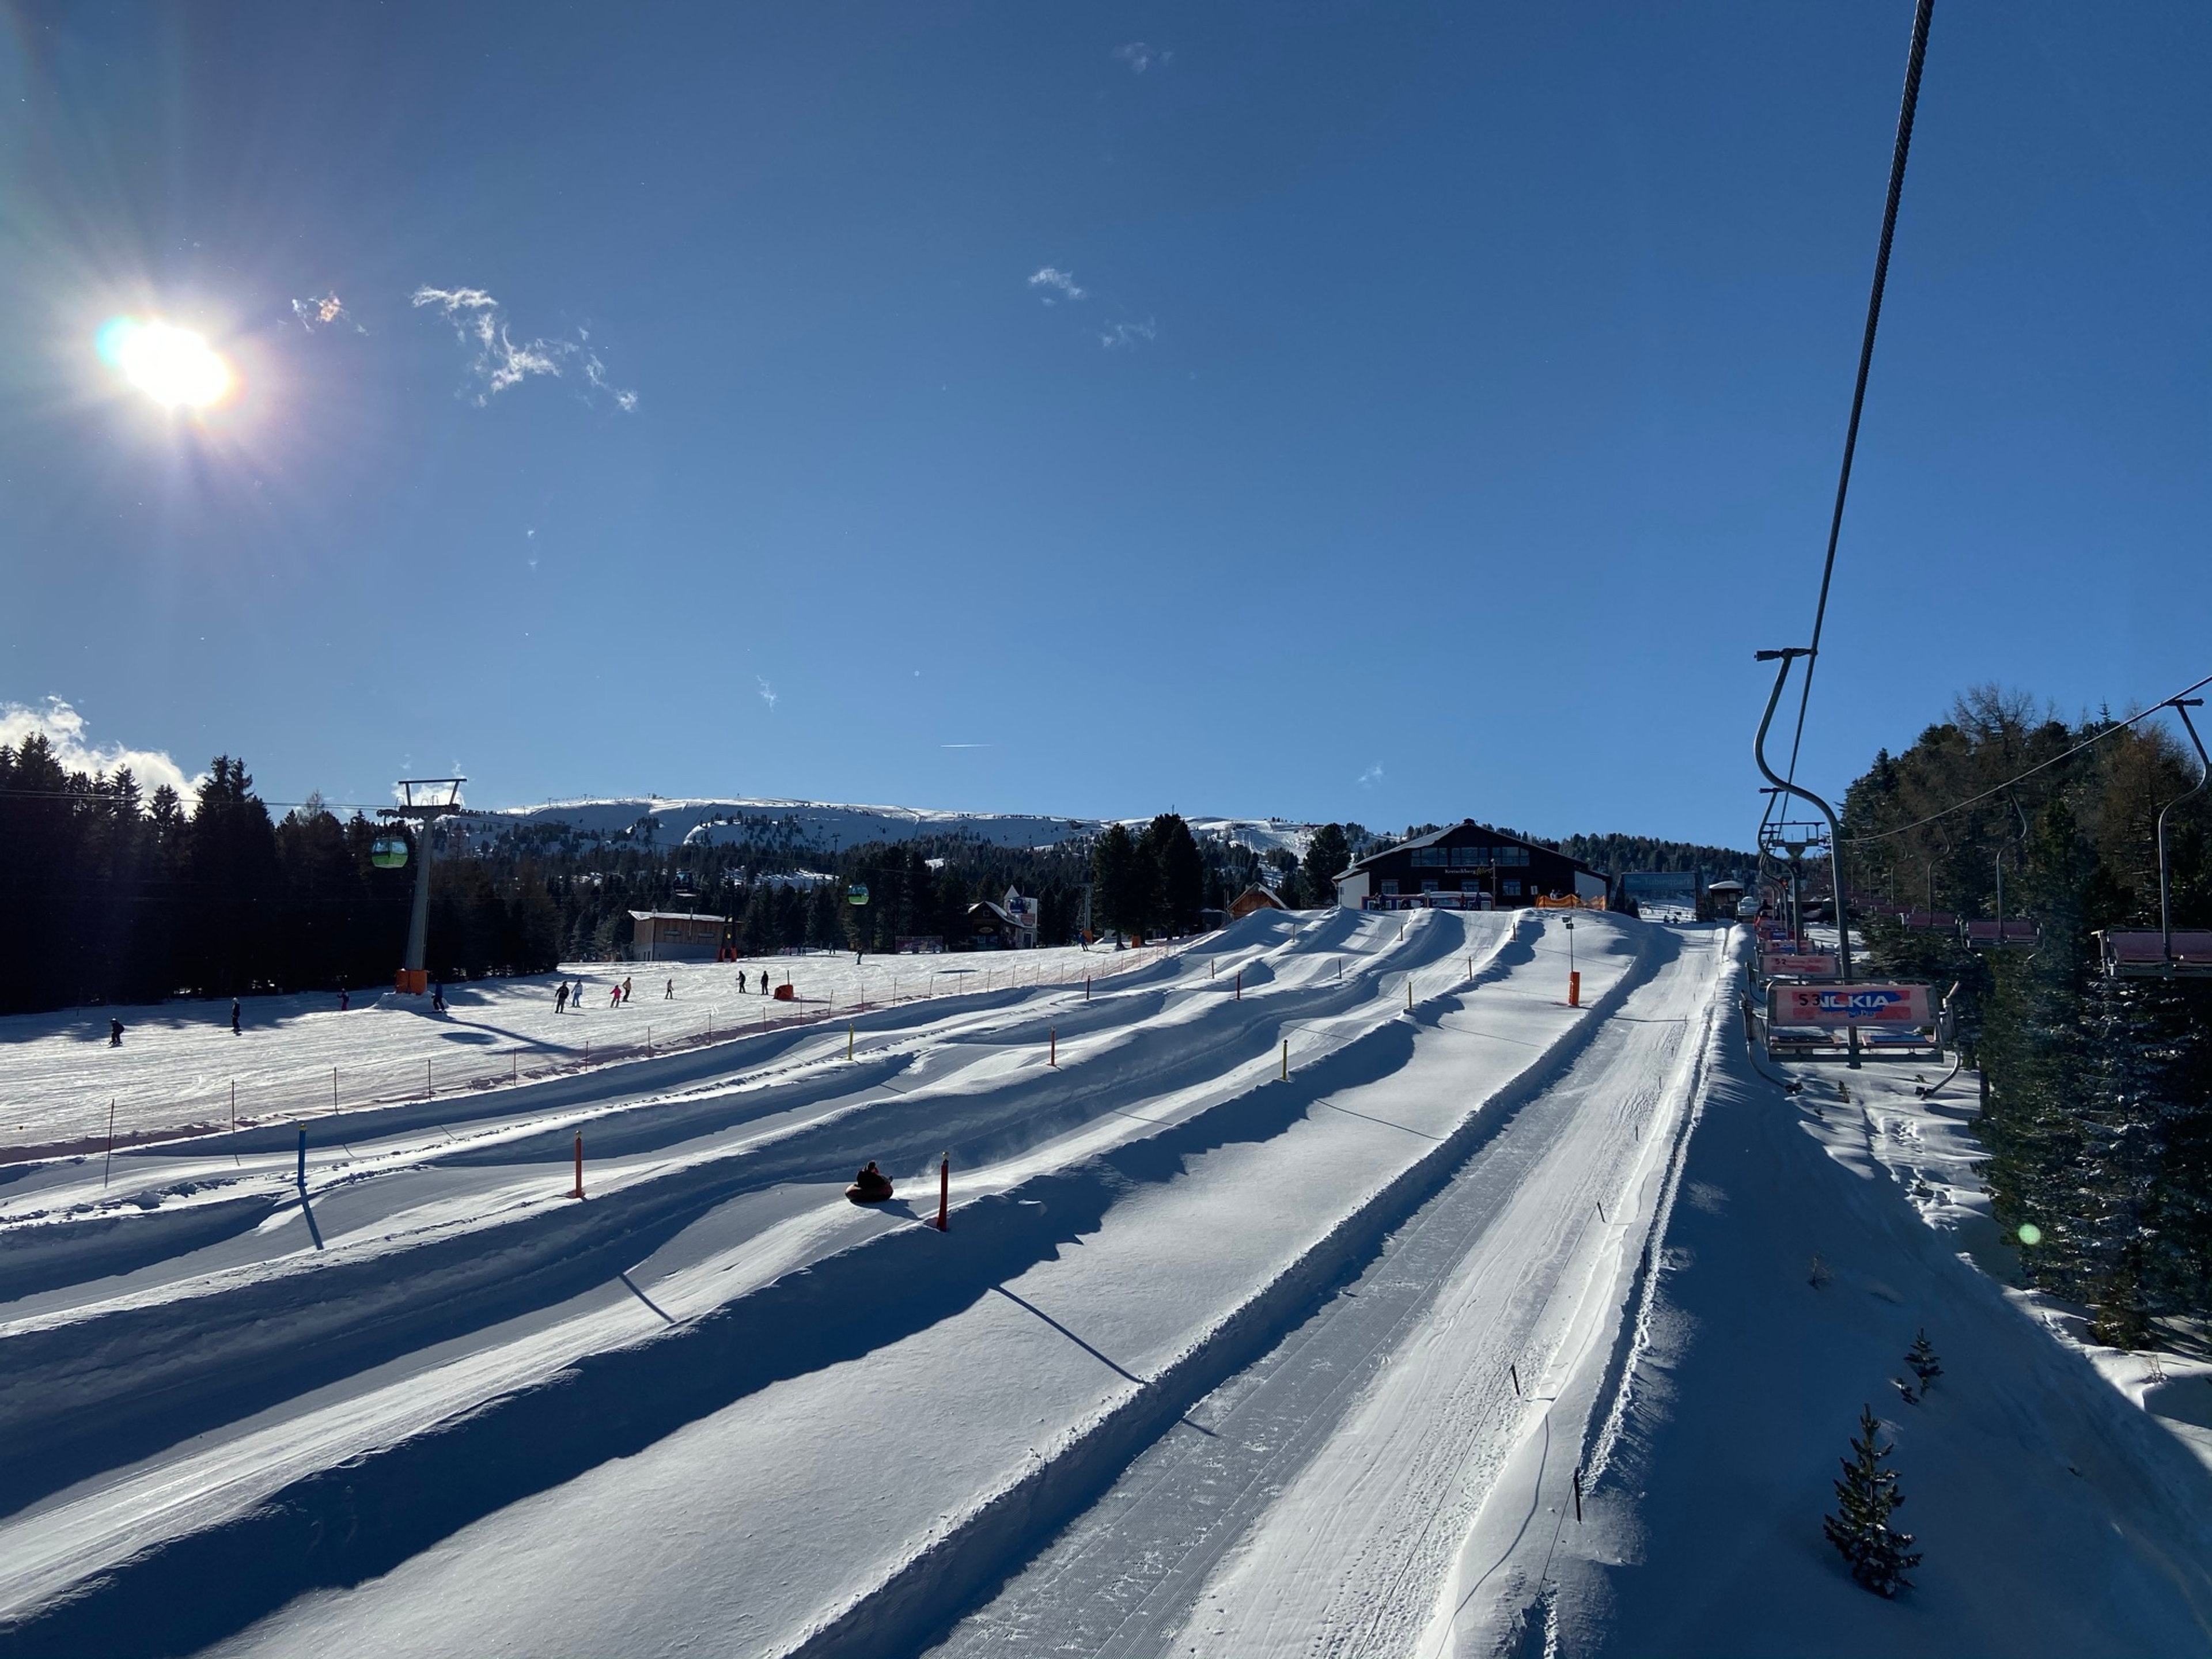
column 1505, row 836
column 673, row 915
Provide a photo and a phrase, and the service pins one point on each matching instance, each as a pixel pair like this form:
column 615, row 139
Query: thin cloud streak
column 1120, row 336
column 500, row 361
column 1053, row 277
column 323, row 313
column 1141, row 56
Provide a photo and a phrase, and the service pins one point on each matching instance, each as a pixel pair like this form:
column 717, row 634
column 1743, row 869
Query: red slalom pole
column 944, row 1191
column 579, row 1191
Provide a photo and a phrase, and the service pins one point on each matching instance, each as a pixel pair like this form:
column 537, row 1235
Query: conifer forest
column 2098, row 1114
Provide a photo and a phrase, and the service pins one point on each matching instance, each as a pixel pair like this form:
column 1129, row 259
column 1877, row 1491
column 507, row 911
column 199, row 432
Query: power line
column 1923, row 14
column 2040, row 766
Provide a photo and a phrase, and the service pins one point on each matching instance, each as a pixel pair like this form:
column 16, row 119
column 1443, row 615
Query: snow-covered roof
column 673, row 915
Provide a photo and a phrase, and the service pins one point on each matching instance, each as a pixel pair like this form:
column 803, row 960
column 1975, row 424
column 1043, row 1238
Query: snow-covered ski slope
column 1281, row 1316
column 297, row 1056
column 827, row 825
column 713, row 1397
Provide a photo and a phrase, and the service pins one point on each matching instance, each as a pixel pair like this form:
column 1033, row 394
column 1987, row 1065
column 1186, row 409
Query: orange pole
column 579, row 1191
column 1574, row 990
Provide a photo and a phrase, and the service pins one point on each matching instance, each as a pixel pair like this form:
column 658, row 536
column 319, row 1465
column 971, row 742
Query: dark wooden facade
column 1467, row 867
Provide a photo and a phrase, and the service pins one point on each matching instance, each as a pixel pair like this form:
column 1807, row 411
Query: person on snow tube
column 871, row 1186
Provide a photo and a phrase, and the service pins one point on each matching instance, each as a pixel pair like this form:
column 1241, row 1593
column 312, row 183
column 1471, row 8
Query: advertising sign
column 1798, row 965
column 1849, row 1004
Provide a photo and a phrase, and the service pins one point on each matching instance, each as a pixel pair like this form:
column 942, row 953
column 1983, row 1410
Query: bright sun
column 174, row 367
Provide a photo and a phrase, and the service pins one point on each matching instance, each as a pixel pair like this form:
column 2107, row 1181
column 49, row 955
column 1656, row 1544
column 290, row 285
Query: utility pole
column 414, row 978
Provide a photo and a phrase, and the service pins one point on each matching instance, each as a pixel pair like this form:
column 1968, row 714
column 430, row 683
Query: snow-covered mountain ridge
column 830, row 826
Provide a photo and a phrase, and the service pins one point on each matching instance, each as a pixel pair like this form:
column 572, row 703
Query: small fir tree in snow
column 1921, row 1356
column 1868, row 1495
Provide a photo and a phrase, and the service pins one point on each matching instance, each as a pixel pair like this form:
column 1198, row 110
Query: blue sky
column 1426, row 412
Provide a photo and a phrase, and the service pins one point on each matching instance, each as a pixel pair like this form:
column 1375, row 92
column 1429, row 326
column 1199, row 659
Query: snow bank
column 2054, row 1516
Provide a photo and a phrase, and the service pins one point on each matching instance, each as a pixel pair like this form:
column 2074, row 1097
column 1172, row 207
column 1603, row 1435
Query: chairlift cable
column 2040, row 766
column 1922, row 12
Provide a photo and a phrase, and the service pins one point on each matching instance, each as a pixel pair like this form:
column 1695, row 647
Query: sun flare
column 174, row 367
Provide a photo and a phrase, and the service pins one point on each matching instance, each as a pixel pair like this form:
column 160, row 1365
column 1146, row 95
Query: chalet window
column 1512, row 886
column 1428, row 887
column 1390, row 887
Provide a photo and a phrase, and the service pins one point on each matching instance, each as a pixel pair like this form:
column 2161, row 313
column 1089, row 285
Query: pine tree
column 1921, row 1356
column 1327, row 856
column 1178, row 879
column 1868, row 1496
column 1117, row 878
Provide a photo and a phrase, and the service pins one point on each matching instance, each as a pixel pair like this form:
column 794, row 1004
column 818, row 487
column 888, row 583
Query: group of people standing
column 566, row 996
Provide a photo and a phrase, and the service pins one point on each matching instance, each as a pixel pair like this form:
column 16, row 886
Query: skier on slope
column 560, row 999
column 625, row 995
column 437, row 998
column 614, row 997
column 669, row 995
column 115, row 1034
column 233, row 1016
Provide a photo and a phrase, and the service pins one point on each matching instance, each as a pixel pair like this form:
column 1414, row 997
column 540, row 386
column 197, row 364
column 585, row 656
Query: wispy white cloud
column 967, row 745
column 1140, row 56
column 1118, row 334
column 1053, row 277
column 595, row 372
column 767, row 693
column 63, row 727
column 500, row 361
column 1371, row 777
column 323, row 313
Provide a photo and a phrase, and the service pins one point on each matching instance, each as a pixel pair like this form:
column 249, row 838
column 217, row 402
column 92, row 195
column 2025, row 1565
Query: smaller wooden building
column 1011, row 924
column 1251, row 899
column 675, row 936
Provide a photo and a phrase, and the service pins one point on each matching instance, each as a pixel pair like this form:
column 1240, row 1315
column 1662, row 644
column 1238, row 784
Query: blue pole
column 303, row 1162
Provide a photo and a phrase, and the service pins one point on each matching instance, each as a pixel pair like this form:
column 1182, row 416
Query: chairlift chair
column 2012, row 933
column 1929, row 921
column 2143, row 953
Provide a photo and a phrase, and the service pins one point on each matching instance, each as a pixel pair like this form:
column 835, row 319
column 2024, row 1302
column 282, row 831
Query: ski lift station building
column 675, row 936
column 1469, row 866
